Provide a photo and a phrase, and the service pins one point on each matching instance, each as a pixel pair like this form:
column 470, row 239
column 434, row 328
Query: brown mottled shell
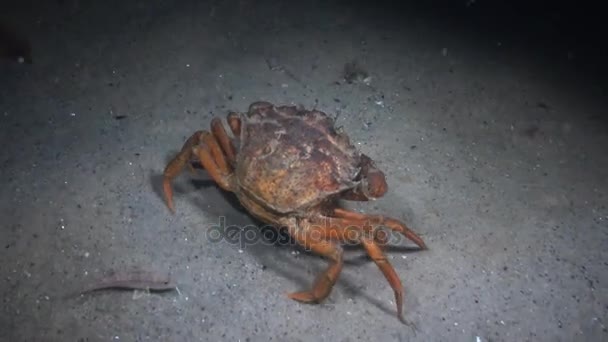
column 290, row 159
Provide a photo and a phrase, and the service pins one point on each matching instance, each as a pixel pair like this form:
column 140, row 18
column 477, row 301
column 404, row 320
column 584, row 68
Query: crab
column 290, row 167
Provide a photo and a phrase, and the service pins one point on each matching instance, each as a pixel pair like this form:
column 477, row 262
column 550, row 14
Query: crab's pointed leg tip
column 171, row 209
column 422, row 246
column 412, row 325
column 302, row 297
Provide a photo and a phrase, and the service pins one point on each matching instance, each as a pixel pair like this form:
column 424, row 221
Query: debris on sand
column 134, row 280
column 354, row 73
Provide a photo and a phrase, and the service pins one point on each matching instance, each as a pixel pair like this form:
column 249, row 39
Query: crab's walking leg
column 211, row 156
column 326, row 280
column 234, row 121
column 224, row 140
column 378, row 220
column 391, row 276
column 206, row 148
column 361, row 233
column 177, row 164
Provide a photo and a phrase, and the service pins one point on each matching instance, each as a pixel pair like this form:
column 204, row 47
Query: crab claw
column 372, row 182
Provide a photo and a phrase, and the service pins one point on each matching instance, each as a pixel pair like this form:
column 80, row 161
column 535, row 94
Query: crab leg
column 222, row 137
column 373, row 250
column 391, row 276
column 177, row 164
column 203, row 145
column 378, row 220
column 326, row 280
column 234, row 121
column 214, row 161
column 213, row 147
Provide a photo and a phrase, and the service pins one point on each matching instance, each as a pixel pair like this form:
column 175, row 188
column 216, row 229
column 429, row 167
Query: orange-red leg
column 224, row 140
column 177, row 164
column 234, row 121
column 326, row 280
column 215, row 166
column 216, row 152
column 206, row 148
column 378, row 220
column 388, row 271
column 359, row 229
